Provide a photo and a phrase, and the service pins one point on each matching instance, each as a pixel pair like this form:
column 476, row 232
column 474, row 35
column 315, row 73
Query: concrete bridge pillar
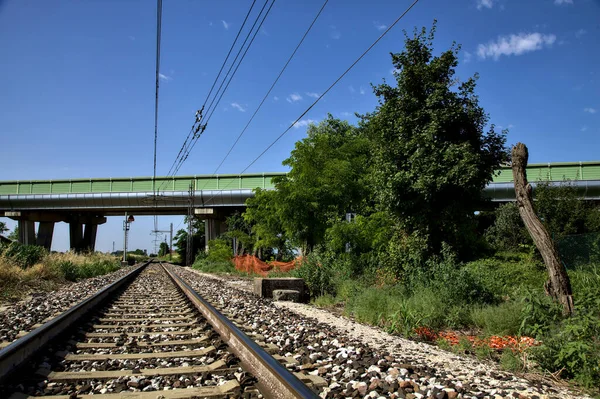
column 26, row 232
column 89, row 237
column 213, row 228
column 44, row 235
column 75, row 236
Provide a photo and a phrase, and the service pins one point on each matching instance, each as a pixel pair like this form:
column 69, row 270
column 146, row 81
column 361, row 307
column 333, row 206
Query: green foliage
column 219, row 250
column 267, row 226
column 318, row 274
column 511, row 361
column 327, row 179
column 503, row 273
column 432, row 158
column 180, row 239
column 573, row 344
column 3, row 228
column 24, row 255
column 560, row 208
column 508, row 231
column 239, row 231
column 163, row 249
column 502, row 319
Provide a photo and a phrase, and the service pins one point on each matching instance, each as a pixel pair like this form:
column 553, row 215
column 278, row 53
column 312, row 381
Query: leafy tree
column 14, row 235
column 561, row 209
column 508, row 230
column 3, row 228
column 326, row 180
column 163, row 249
column 267, row 227
column 180, row 239
column 240, row 232
column 432, row 158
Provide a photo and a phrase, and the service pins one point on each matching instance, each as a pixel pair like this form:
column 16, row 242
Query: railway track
column 147, row 332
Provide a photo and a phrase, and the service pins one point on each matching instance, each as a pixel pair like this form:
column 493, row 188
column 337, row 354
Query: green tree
column 14, row 235
column 432, row 158
column 180, row 239
column 3, row 228
column 326, row 180
column 239, row 232
column 561, row 209
column 508, row 231
column 267, row 227
column 163, row 249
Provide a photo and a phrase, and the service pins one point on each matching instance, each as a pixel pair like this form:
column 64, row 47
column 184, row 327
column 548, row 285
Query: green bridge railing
column 553, row 172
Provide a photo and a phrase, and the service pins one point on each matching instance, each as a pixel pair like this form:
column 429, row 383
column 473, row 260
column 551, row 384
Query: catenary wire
column 321, row 96
column 195, row 139
column 212, row 87
column 272, row 86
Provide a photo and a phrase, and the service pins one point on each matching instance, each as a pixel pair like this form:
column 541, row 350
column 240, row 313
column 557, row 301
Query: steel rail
column 20, row 351
column 274, row 380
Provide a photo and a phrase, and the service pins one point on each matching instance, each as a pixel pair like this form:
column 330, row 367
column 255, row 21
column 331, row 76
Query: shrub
column 24, row 255
column 219, row 250
column 508, row 231
column 511, row 361
column 503, row 319
column 318, row 274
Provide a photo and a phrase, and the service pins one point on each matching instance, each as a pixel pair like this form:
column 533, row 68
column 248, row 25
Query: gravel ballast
column 362, row 361
column 22, row 317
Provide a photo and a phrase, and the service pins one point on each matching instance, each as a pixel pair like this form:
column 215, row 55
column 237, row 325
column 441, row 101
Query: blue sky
column 77, row 81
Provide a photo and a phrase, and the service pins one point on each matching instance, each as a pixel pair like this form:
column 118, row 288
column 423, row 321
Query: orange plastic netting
column 251, row 264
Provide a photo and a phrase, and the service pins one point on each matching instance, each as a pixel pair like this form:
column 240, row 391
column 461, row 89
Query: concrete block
column 286, row 295
column 264, row 287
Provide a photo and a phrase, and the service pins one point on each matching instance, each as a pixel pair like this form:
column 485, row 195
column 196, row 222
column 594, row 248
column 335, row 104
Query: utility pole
column 189, row 246
column 170, row 231
column 126, row 223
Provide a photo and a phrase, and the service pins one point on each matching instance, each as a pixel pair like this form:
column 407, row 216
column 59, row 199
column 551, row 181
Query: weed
column 511, row 361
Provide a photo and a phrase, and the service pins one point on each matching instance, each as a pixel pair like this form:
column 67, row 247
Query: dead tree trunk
column 559, row 285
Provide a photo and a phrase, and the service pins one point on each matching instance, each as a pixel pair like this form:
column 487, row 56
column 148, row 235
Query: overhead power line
column 272, row 86
column 199, row 124
column 228, row 78
column 212, row 87
column 322, row 95
column 332, row 85
column 158, row 39
column 192, row 144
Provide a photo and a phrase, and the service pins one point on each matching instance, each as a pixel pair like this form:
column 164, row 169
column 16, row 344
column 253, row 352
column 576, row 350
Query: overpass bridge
column 87, row 202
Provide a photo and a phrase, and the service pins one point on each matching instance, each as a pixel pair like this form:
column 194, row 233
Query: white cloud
column 590, row 110
column 468, row 57
column 210, row 23
column 303, row 123
column 361, row 90
column 164, row 77
column 225, row 24
column 584, row 128
column 313, row 95
column 580, row 33
column 510, row 125
column 484, row 4
column 379, row 26
column 345, row 114
column 335, row 34
column 276, row 98
column 394, row 71
column 515, row 45
column 292, row 98
column 238, row 107
column 132, row 38
column 352, row 89
column 561, row 2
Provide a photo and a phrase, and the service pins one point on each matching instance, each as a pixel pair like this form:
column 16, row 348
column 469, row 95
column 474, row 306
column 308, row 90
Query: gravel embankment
column 362, row 361
column 20, row 318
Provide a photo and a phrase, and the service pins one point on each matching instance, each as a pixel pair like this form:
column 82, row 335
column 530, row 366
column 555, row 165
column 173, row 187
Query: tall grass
column 25, row 268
